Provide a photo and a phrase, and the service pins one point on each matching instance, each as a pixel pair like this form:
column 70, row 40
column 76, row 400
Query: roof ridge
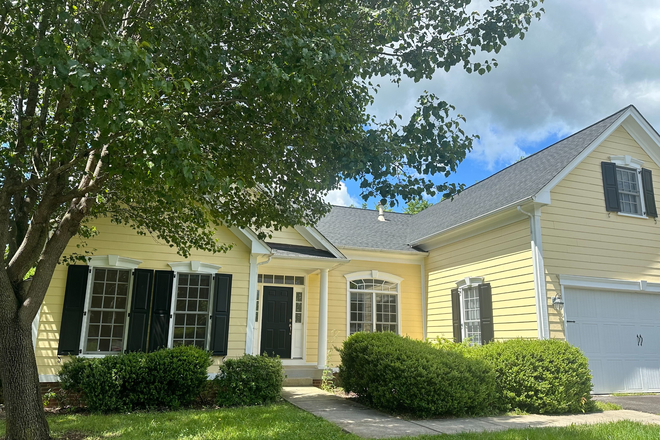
column 535, row 153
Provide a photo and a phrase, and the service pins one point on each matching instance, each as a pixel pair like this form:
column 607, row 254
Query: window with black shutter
column 100, row 317
column 472, row 313
column 628, row 188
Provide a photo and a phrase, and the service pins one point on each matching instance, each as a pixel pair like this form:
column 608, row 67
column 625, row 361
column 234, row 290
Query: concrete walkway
column 369, row 423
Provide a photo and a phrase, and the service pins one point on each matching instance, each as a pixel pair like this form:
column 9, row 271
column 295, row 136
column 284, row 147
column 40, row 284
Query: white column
column 252, row 304
column 323, row 319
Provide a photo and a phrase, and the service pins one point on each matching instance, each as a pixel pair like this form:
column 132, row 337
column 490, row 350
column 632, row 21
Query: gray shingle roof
column 359, row 228
column 515, row 183
column 291, row 250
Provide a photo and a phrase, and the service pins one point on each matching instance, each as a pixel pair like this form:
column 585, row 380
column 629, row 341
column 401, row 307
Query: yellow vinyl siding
column 287, row 236
column 123, row 241
column 581, row 238
column 504, row 259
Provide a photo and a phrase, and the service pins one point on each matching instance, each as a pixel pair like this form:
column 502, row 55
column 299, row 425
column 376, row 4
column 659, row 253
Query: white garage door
column 619, row 332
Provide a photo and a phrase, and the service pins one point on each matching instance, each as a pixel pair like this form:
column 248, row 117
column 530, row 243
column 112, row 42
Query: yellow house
column 562, row 244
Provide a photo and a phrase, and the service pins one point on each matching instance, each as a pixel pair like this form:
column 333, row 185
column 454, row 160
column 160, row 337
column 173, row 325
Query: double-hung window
column 628, row 187
column 192, row 310
column 107, row 311
column 472, row 311
column 373, row 303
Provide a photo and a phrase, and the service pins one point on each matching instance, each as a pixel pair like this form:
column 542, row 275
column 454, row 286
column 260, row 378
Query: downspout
column 424, row 305
column 252, row 301
column 539, row 272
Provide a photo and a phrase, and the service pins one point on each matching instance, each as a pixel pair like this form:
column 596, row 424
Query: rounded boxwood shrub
column 539, row 376
column 403, row 375
column 249, row 380
column 168, row 378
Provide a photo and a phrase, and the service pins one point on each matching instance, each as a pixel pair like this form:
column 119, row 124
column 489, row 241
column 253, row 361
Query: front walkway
column 369, row 423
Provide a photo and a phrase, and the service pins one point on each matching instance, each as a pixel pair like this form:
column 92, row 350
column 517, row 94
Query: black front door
column 276, row 321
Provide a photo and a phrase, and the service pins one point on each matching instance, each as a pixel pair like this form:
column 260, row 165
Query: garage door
column 619, row 332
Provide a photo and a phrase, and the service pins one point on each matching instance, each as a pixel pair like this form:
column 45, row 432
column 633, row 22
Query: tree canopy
column 175, row 115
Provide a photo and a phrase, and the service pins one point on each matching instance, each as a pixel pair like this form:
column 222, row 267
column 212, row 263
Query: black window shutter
column 221, row 305
column 456, row 315
column 486, row 313
column 138, row 328
column 649, row 196
column 72, row 312
column 610, row 186
column 161, row 311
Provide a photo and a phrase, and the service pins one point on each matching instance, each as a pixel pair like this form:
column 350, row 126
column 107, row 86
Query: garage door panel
column 605, row 325
column 633, row 376
column 590, row 338
column 650, row 371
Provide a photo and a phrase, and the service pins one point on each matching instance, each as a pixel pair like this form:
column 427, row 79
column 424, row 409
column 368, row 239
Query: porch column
column 323, row 320
column 252, row 305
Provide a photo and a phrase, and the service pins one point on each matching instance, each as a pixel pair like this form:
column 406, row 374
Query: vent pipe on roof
column 381, row 216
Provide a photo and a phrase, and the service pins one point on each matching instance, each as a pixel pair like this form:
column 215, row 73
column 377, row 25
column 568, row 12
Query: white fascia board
column 643, row 134
column 608, row 284
column 250, row 239
column 544, row 193
column 316, row 239
column 384, row 256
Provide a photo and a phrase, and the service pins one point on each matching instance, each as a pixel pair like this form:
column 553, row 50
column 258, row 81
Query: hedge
column 168, row 378
column 249, row 380
column 413, row 377
column 539, row 376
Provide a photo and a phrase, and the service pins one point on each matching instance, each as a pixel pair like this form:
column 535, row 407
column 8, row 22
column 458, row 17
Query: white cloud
column 580, row 63
column 341, row 197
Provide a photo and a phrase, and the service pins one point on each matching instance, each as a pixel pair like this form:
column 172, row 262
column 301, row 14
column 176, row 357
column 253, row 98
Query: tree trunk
column 20, row 383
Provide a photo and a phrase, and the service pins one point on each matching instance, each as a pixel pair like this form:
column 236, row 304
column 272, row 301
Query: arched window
column 373, row 302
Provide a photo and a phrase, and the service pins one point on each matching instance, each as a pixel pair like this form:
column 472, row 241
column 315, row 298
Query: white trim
column 644, row 134
column 194, row 267
column 469, row 282
column 373, row 274
column 250, row 239
column 608, row 284
column 49, row 378
column 625, row 214
column 627, row 161
column 638, row 128
column 113, row 261
column 413, row 253
column 298, row 362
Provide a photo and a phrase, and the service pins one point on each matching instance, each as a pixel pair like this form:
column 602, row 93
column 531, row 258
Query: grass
column 607, row 406
column 284, row 421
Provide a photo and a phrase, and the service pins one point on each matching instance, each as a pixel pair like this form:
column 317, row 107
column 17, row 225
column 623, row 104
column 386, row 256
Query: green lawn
column 283, row 421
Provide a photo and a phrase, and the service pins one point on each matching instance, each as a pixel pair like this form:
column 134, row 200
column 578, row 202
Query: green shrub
column 249, row 380
column 166, row 378
column 540, row 377
column 403, row 375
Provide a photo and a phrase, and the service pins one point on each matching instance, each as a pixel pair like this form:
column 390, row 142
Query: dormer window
column 628, row 187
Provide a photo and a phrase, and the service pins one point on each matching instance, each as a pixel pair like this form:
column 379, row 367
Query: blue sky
column 582, row 62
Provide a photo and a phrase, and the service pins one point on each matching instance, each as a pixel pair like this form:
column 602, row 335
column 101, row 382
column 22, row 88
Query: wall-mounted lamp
column 557, row 303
